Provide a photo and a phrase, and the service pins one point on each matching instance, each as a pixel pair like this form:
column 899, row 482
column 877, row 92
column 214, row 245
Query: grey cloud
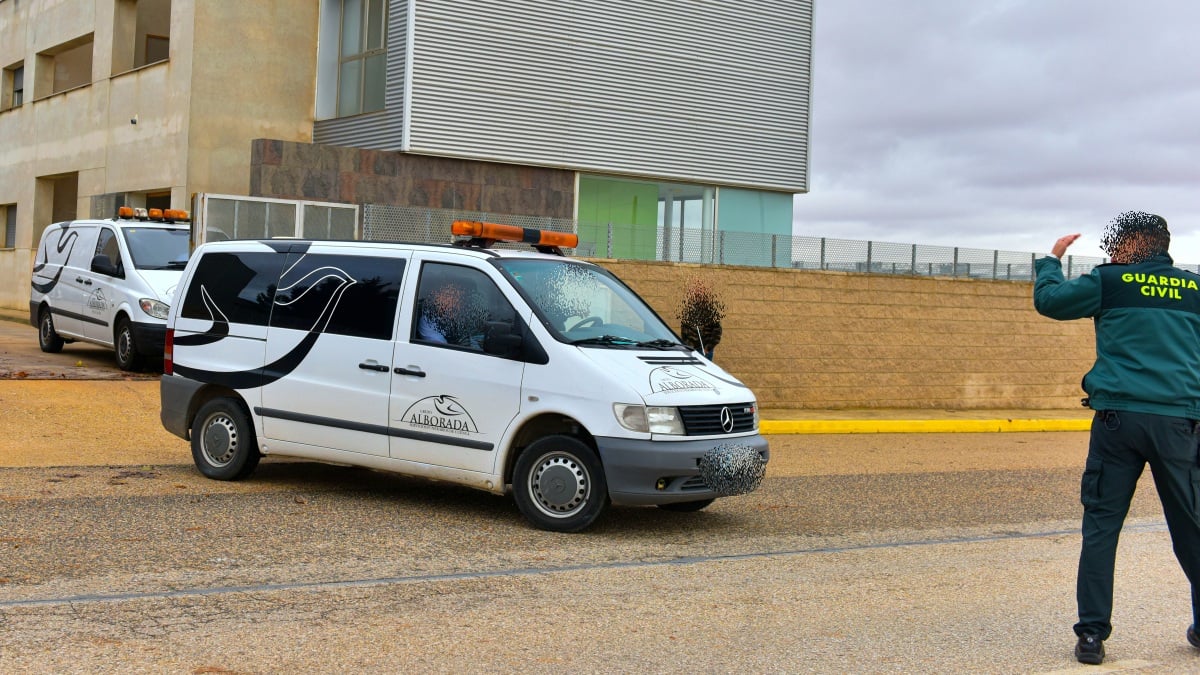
column 984, row 124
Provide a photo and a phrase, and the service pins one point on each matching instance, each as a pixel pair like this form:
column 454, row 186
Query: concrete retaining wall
column 813, row 339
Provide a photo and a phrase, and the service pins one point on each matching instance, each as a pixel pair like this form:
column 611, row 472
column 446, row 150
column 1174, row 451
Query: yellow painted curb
column 782, row 427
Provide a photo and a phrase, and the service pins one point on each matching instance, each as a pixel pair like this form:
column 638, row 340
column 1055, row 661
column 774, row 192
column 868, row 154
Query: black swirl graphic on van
column 218, row 331
column 66, row 241
column 284, row 365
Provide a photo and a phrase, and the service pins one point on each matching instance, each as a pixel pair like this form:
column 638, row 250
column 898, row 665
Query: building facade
column 631, row 113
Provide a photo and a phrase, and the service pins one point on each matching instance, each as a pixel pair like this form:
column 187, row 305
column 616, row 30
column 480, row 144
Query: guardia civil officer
column 1145, row 390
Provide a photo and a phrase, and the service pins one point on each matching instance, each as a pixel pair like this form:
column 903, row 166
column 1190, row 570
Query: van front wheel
column 223, row 444
column 48, row 339
column 559, row 485
column 128, row 357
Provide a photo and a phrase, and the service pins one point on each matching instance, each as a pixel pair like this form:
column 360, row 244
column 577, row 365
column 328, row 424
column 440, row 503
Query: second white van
column 110, row 283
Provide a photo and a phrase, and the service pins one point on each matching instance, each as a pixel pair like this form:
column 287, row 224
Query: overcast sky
column 1003, row 124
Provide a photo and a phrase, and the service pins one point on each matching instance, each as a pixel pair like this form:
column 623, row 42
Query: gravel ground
column 885, row 553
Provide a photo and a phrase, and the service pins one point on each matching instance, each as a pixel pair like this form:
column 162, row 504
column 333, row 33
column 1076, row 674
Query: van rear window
column 240, row 288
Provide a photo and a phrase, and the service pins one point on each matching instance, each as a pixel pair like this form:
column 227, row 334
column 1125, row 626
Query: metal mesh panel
column 324, row 222
column 237, row 217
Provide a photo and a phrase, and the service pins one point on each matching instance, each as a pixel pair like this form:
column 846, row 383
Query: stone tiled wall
column 287, row 170
column 812, row 339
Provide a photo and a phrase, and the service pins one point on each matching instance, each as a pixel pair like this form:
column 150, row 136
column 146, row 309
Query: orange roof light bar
column 162, row 215
column 498, row 232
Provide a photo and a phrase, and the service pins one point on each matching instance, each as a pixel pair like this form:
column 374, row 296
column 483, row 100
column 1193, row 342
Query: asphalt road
column 860, row 553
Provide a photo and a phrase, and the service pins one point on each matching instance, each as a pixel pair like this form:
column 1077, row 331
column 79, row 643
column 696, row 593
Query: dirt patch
column 22, row 359
column 85, row 423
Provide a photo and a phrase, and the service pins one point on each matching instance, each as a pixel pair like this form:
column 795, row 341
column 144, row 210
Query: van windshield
column 588, row 306
column 157, row 248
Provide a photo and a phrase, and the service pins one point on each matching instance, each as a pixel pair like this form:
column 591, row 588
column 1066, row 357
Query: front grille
column 693, row 484
column 705, row 420
column 671, row 360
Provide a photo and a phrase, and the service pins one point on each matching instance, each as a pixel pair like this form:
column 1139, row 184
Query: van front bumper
column 664, row 472
column 149, row 338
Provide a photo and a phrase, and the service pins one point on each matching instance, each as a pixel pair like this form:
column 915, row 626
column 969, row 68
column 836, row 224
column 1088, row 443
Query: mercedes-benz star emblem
column 726, row 420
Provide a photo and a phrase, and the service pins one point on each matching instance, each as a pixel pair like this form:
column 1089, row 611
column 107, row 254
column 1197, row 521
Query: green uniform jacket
column 1147, row 319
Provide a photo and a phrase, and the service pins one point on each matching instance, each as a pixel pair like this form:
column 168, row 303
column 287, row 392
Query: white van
column 498, row 369
column 109, row 282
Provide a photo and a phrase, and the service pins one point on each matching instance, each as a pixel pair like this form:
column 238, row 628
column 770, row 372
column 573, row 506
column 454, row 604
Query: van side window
column 107, row 245
column 343, row 294
column 454, row 306
column 240, row 288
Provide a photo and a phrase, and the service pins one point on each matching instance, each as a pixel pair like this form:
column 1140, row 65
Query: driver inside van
column 452, row 312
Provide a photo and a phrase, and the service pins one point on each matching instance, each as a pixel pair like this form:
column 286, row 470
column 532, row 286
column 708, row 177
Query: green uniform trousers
column 1122, row 443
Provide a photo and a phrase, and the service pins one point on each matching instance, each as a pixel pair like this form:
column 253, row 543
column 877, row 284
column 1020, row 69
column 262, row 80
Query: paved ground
column 863, row 553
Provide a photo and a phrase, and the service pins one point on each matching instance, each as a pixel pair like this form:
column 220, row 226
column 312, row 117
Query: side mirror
column 502, row 339
column 102, row 265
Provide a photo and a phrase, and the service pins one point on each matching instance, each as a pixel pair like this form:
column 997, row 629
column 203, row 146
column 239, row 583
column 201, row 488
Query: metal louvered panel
column 697, row 91
column 377, row 131
column 705, row 420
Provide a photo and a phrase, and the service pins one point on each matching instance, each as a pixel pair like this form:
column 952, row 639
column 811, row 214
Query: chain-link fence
column 643, row 242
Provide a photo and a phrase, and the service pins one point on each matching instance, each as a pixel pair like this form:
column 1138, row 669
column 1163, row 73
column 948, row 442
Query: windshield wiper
column 660, row 344
column 604, row 340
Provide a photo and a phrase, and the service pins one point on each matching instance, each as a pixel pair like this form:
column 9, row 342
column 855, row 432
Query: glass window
column 10, row 225
column 234, row 287
column 362, row 56
column 454, row 306
column 350, row 85
column 14, row 87
column 107, row 245
column 342, row 294
column 158, row 48
column 585, row 304
column 158, row 248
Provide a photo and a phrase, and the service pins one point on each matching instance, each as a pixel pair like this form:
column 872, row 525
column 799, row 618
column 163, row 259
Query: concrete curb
column 785, row 427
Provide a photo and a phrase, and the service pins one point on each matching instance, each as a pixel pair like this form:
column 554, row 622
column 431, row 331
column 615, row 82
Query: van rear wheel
column 559, row 485
column 223, row 443
column 128, row 357
column 48, row 339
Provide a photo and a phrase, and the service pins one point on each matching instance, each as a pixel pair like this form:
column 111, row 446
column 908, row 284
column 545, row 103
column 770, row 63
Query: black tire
column 223, row 443
column 686, row 507
column 48, row 339
column 128, row 357
column 559, row 485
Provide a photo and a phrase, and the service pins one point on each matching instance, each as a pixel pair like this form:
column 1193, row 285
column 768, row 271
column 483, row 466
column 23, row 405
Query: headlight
column 652, row 419
column 154, row 308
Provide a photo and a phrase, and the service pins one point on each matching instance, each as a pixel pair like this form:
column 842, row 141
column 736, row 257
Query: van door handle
column 405, row 371
column 379, row 368
column 81, row 280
